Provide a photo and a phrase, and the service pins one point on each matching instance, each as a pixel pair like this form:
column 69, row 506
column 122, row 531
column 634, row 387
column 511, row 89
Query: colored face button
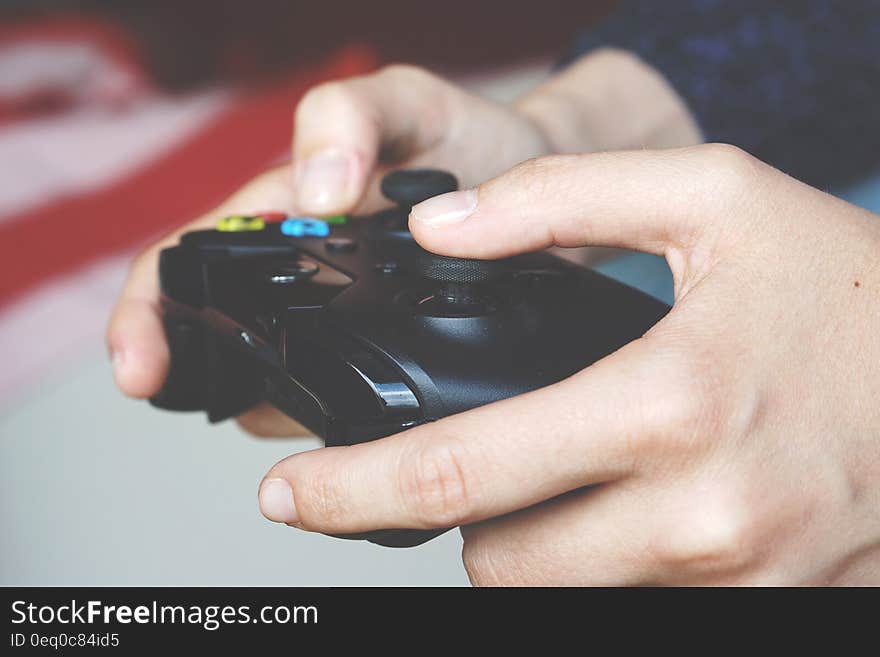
column 240, row 223
column 273, row 215
column 304, row 227
column 338, row 220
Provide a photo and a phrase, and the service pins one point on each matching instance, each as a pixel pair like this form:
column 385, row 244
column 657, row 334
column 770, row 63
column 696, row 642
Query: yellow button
column 240, row 223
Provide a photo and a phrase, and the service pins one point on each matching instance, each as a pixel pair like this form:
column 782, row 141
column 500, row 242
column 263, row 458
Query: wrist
column 609, row 100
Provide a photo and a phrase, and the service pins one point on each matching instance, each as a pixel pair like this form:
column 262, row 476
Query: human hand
column 346, row 135
column 350, row 133
column 737, row 442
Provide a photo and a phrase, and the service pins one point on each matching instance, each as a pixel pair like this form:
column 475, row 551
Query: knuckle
column 676, row 416
column 678, row 410
column 543, row 169
column 729, row 170
column 335, row 93
column 550, row 176
column 536, row 180
column 436, row 485
column 319, row 497
column 688, row 408
column 717, row 538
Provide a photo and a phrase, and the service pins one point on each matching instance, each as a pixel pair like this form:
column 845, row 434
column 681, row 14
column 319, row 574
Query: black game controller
column 355, row 331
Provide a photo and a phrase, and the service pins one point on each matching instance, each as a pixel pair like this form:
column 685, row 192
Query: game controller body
column 356, row 332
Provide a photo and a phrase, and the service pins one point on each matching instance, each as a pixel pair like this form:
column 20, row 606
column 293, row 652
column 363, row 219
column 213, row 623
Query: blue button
column 305, row 227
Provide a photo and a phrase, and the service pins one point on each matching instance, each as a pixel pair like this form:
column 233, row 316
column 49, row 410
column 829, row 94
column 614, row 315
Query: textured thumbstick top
column 408, row 187
column 456, row 270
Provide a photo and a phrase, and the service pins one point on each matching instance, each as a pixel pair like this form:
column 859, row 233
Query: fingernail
column 276, row 501
column 449, row 208
column 322, row 181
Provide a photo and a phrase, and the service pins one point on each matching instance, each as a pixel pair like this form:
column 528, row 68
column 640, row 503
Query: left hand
column 737, row 442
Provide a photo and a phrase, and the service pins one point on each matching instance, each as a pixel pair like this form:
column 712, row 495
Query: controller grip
column 203, row 374
column 195, row 383
column 185, row 386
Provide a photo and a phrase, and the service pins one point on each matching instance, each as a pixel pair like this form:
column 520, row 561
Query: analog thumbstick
column 459, row 284
column 408, row 187
column 444, row 269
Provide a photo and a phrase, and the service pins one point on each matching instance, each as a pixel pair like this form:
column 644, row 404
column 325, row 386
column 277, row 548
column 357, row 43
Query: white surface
column 45, row 334
column 96, row 489
column 44, row 159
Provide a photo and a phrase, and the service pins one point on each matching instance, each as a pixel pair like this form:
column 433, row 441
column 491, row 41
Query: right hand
column 347, row 134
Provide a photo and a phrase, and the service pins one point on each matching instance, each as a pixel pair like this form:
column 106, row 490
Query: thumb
column 342, row 129
column 652, row 201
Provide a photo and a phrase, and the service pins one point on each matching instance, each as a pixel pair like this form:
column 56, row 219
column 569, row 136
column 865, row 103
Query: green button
column 338, row 220
column 240, row 224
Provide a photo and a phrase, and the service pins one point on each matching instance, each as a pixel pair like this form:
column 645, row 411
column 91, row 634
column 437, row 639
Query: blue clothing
column 796, row 83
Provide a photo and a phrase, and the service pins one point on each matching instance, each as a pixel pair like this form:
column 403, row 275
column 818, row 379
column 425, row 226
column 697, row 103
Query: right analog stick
column 445, row 269
column 458, row 283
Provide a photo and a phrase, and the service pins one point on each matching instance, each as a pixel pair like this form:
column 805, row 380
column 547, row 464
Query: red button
column 273, row 216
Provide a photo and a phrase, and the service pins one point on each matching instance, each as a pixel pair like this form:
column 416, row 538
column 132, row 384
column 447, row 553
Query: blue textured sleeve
column 796, row 83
